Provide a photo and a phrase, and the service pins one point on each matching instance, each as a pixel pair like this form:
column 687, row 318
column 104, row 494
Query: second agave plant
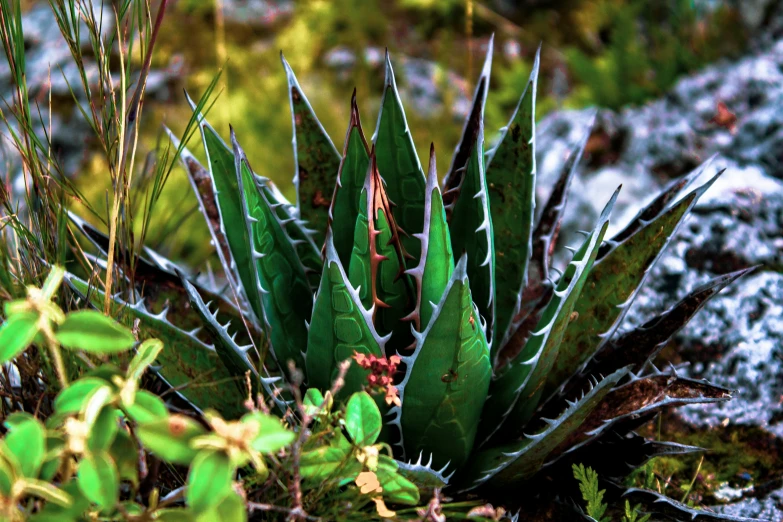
column 490, row 367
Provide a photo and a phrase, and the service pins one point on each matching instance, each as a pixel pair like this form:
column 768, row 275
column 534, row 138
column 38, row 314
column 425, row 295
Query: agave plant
column 509, row 371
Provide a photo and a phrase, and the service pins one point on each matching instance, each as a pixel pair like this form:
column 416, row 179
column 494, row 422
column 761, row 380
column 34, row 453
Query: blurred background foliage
column 606, row 53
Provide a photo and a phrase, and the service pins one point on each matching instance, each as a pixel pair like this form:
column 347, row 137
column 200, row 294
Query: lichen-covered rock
column 731, row 110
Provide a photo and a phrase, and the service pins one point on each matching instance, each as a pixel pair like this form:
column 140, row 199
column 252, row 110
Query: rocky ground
column 732, row 111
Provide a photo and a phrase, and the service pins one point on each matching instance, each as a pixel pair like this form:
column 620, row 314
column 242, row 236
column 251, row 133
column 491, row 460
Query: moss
column 738, row 455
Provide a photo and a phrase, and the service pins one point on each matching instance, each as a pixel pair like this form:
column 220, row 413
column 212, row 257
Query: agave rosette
column 509, row 371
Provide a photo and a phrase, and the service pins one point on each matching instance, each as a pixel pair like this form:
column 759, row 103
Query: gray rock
column 257, row 13
column 768, row 508
column 417, row 79
column 737, row 339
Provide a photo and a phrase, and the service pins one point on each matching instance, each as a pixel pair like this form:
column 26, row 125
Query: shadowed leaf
column 315, row 158
column 511, row 175
column 517, row 390
column 611, row 288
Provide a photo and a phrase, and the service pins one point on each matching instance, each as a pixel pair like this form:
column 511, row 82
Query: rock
column 731, row 110
column 768, row 508
column 257, row 13
column 420, row 81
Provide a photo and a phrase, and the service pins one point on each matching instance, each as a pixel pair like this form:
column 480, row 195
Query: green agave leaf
column 447, row 379
column 506, row 466
column 315, row 157
column 436, row 264
column 615, row 457
column 281, row 283
column 225, row 185
column 350, row 180
column 201, row 181
column 301, row 237
column 222, row 164
column 511, row 175
column 186, row 363
column 539, row 287
column 471, row 232
column 232, row 355
column 673, row 510
column 517, row 390
column 399, row 165
column 611, row 288
column 426, row 479
column 654, row 208
column 640, row 345
column 377, row 268
column 634, row 403
column 470, row 131
column 157, row 280
column 339, row 328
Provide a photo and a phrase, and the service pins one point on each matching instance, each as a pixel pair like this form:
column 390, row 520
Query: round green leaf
column 104, row 430
column 55, row 445
column 147, row 407
column 396, row 488
column 272, row 435
column 16, row 334
column 126, row 457
column 209, row 481
column 7, row 476
column 46, row 491
column 175, row 515
column 93, row 332
column 169, row 438
column 26, row 441
column 75, row 397
column 98, row 480
column 363, row 419
column 146, row 354
column 231, row 509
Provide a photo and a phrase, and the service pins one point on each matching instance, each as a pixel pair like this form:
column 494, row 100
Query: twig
column 295, row 513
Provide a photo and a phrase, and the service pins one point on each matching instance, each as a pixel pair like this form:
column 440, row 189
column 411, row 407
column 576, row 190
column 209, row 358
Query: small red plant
column 381, row 377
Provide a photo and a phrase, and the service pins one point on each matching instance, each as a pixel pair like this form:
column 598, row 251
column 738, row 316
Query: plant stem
column 59, row 365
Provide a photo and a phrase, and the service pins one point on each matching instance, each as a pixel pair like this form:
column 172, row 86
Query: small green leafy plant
column 89, row 456
column 594, row 498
